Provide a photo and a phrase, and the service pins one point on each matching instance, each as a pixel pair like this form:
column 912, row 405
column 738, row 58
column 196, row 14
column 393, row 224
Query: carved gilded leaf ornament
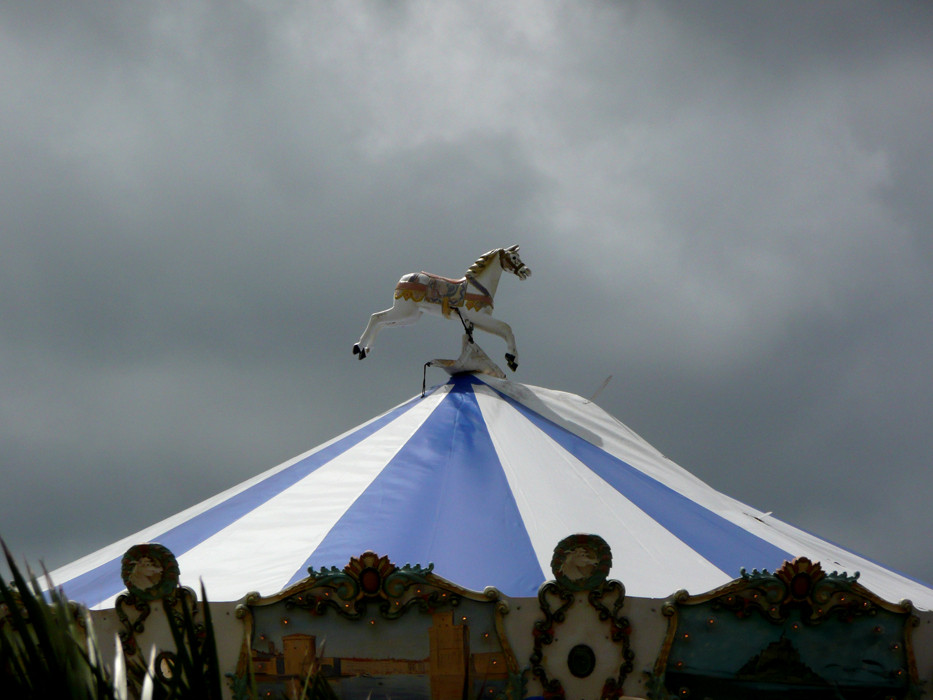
column 371, row 579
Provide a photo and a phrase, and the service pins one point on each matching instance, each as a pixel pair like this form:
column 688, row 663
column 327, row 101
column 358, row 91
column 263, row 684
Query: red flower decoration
column 370, row 570
column 800, row 576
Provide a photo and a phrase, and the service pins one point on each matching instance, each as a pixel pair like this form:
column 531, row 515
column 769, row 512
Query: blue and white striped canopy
column 482, row 477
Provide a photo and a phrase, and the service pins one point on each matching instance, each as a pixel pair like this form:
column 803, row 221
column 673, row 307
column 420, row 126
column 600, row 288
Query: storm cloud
column 726, row 207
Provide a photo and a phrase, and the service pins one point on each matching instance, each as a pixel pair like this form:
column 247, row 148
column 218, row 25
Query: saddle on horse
column 449, row 293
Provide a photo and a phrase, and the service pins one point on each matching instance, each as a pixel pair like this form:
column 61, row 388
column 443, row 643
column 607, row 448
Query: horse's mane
column 482, row 262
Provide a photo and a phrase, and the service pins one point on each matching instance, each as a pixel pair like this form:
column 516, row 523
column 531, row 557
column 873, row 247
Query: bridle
column 505, row 260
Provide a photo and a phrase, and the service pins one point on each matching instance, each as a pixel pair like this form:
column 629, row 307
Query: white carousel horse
column 471, row 297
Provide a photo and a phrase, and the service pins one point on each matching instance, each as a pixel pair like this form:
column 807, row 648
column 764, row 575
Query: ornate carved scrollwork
column 544, row 634
column 370, row 579
column 150, row 572
column 580, row 565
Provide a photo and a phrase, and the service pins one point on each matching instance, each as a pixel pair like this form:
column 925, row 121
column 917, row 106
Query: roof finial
column 471, row 297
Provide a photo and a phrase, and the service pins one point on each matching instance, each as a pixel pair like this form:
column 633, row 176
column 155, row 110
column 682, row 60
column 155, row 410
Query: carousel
column 491, row 539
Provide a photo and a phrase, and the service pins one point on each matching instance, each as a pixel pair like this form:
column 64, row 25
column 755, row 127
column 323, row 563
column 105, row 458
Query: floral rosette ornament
column 370, row 571
column 800, row 576
column 366, row 579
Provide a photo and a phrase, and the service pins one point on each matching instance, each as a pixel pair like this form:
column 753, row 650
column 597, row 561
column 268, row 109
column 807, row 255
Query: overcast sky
column 726, row 206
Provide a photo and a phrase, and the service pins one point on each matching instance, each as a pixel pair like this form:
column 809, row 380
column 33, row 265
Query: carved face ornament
column 146, row 573
column 579, row 564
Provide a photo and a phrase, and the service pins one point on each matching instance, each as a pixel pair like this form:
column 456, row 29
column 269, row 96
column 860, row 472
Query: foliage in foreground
column 48, row 649
column 44, row 652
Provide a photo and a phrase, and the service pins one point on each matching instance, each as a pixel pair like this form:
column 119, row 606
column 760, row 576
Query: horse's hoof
column 361, row 352
column 510, row 359
column 356, row 349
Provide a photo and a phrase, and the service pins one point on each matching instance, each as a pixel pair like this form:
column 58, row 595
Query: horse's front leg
column 399, row 315
column 501, row 329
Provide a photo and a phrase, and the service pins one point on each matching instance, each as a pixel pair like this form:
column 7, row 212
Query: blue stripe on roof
column 724, row 544
column 104, row 581
column 443, row 498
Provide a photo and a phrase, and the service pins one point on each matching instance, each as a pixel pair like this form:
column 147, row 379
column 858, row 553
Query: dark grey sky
column 726, row 207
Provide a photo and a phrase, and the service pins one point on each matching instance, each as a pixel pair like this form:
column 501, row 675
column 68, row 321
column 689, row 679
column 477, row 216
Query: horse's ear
column 513, row 248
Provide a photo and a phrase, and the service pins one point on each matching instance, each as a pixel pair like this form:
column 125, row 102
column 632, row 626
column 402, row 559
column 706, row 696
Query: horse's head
column 511, row 262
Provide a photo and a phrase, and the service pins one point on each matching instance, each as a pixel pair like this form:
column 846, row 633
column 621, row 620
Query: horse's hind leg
column 399, row 315
column 501, row 329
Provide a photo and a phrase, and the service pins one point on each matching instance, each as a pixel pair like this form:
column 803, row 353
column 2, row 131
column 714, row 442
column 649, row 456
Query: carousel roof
column 481, row 477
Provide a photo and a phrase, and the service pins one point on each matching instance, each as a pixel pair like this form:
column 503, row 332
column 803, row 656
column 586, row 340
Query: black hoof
column 510, row 359
column 357, row 350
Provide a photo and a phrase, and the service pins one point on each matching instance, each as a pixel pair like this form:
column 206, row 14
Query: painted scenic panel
column 446, row 654
column 720, row 656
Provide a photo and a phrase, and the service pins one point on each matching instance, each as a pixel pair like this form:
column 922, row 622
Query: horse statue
column 470, row 297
